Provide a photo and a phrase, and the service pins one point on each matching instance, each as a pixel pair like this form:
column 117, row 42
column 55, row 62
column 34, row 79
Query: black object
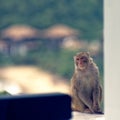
column 54, row 106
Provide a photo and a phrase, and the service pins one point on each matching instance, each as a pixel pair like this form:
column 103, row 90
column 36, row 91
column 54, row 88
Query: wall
column 112, row 59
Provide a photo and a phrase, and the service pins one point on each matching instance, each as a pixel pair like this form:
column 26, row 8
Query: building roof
column 58, row 31
column 19, row 32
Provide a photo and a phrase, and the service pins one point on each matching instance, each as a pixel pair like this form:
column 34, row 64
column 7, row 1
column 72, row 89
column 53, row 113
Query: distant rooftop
column 18, row 32
column 57, row 31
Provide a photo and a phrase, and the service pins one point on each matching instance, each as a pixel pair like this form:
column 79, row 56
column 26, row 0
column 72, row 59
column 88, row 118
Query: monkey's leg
column 77, row 104
column 96, row 99
column 86, row 101
column 101, row 93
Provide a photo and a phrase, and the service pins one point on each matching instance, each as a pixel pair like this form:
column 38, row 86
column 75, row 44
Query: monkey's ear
column 74, row 57
column 88, row 53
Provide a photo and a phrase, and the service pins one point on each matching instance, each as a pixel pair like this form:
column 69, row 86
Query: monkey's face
column 81, row 60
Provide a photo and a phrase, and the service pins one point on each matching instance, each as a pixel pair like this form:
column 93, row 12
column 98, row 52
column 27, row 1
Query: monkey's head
column 82, row 60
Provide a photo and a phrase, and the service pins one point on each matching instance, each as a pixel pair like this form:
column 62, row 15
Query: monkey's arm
column 97, row 96
column 85, row 100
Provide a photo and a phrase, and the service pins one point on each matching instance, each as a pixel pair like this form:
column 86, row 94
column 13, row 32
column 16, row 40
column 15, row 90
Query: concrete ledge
column 84, row 116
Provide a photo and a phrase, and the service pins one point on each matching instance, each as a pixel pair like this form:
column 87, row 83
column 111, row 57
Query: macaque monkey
column 86, row 90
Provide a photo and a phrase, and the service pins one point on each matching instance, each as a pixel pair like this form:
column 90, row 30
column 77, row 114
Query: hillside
column 86, row 16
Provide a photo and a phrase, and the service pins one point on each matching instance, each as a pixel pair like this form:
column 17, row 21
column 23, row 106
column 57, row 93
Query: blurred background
column 38, row 39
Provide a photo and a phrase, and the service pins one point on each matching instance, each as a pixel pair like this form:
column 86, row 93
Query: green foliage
column 4, row 93
column 84, row 15
column 58, row 62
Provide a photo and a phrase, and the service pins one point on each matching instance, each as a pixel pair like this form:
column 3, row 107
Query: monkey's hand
column 86, row 101
column 96, row 108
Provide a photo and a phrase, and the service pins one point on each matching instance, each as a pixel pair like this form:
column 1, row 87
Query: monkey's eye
column 82, row 58
column 77, row 59
column 85, row 61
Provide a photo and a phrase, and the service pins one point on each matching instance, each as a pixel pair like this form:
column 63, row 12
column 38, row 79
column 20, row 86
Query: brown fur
column 86, row 90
